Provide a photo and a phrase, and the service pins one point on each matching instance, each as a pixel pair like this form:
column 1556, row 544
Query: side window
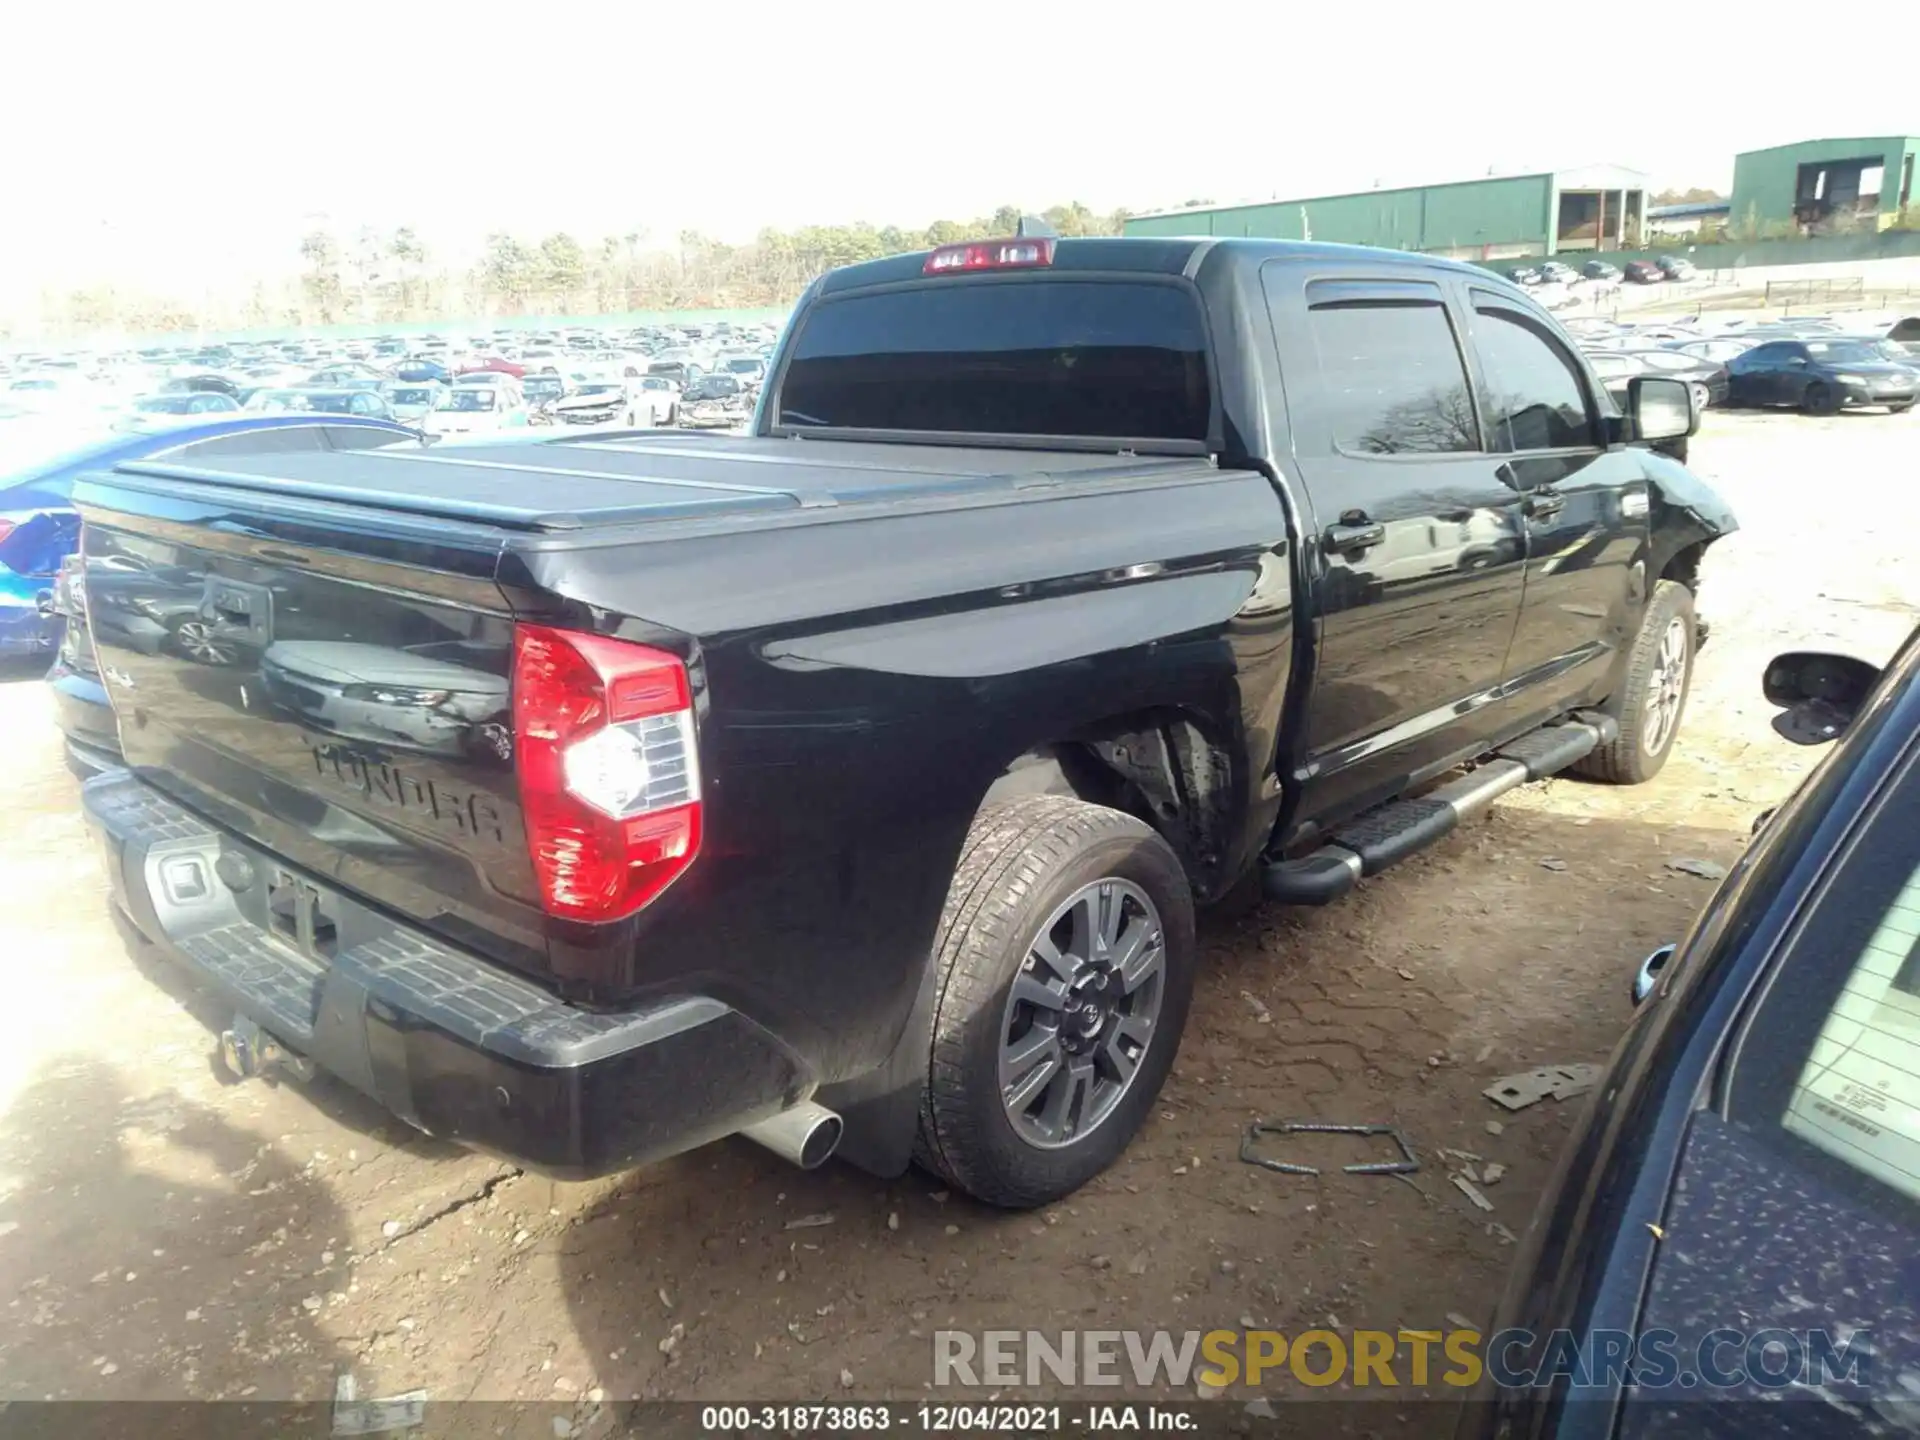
column 1535, row 399
column 1391, row 378
column 1832, row 1057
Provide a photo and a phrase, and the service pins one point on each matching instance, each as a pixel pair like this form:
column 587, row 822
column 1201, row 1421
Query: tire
column 1819, row 398
column 1647, row 729
column 1021, row 863
column 1901, row 408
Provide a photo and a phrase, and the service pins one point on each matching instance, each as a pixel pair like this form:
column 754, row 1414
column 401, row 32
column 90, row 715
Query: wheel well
column 1160, row 767
column 1684, row 565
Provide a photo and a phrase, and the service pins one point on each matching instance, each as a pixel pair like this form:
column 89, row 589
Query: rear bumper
column 453, row 1045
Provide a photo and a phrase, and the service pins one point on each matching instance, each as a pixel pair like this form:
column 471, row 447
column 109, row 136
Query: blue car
column 39, row 530
column 1731, row 1246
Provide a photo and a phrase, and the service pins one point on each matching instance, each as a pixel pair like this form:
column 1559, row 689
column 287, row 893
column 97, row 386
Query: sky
column 177, row 147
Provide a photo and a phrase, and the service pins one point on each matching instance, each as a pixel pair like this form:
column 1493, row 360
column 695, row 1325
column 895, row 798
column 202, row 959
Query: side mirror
column 1818, row 694
column 1661, row 408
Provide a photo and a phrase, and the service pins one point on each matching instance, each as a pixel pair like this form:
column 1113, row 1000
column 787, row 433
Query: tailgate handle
column 285, row 557
column 1355, row 532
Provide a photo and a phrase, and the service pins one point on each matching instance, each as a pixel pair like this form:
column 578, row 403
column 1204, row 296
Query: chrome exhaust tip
column 805, row 1135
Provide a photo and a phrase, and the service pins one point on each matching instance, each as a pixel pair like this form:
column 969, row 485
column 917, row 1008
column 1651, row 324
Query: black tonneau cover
column 560, row 485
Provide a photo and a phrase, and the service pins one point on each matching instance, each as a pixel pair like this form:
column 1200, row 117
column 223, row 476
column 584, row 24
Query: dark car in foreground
column 1822, row 376
column 1737, row 1215
column 850, row 784
column 80, row 703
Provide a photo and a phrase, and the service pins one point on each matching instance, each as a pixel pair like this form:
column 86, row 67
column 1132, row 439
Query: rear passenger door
column 1585, row 509
column 1415, row 546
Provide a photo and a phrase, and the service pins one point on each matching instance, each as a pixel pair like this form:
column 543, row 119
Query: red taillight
column 1016, row 254
column 609, row 769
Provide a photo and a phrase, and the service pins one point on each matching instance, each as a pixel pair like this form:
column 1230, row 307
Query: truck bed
column 559, row 486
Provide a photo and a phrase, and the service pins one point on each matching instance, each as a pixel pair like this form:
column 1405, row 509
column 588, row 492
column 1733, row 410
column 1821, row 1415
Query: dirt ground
column 166, row 1235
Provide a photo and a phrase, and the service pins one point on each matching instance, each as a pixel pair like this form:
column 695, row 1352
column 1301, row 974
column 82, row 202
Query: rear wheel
column 1653, row 695
column 1901, row 408
column 1819, row 398
column 1065, row 958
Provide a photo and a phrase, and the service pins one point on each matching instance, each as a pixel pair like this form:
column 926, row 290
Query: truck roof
column 1151, row 255
column 562, row 485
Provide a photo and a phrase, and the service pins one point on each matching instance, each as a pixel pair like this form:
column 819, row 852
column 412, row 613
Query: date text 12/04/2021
column 946, row 1419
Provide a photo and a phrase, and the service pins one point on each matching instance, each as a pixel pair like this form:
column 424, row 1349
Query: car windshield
column 412, row 395
column 1843, row 352
column 164, row 404
column 1052, row 356
column 472, row 397
column 599, row 387
column 745, row 366
column 713, row 387
column 541, row 387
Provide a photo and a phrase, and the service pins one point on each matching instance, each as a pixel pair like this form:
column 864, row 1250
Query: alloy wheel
column 1081, row 1013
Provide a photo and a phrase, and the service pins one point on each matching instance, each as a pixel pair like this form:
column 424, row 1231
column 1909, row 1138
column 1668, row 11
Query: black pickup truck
column 852, row 783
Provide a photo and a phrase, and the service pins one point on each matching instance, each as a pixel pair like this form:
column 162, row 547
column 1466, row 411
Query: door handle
column 1543, row 503
column 1356, row 534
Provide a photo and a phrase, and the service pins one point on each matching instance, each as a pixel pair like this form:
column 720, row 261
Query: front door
column 1585, row 507
column 1414, row 537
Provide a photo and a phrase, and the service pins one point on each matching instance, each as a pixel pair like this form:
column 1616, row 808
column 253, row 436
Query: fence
column 1827, row 290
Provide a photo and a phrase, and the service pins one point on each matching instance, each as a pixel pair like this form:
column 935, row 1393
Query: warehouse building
column 1597, row 207
column 1823, row 186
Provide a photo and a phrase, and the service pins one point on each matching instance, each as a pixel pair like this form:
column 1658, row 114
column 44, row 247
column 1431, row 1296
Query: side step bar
column 1369, row 843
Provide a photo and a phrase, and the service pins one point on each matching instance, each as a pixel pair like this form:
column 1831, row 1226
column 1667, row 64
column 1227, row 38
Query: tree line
column 382, row 277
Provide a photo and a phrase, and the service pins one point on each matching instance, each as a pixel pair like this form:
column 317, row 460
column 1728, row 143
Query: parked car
column 1524, row 275
column 47, row 475
column 1904, row 332
column 1601, row 270
column 411, row 403
column 663, row 402
column 749, row 370
column 478, row 409
column 714, row 402
column 1719, row 351
column 1675, row 267
column 1748, row 1167
column 423, row 367
column 543, row 389
column 491, row 362
column 1644, row 272
column 862, row 773
column 1706, row 378
column 346, row 374
column 186, row 403
column 319, row 400
column 1821, row 377
column 681, row 372
column 1555, row 272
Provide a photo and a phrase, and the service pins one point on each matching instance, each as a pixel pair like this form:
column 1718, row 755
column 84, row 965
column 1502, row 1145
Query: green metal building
column 1597, row 207
column 1823, row 185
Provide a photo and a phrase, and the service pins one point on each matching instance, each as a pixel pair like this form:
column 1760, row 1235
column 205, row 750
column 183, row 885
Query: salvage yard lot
column 165, row 1235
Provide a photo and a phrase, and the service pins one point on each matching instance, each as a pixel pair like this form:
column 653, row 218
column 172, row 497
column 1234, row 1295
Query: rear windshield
column 1106, row 358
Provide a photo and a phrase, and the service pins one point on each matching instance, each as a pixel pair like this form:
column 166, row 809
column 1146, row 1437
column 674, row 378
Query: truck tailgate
column 332, row 689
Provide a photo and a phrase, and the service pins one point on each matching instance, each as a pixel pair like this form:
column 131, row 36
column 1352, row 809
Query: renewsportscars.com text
column 1514, row 1359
